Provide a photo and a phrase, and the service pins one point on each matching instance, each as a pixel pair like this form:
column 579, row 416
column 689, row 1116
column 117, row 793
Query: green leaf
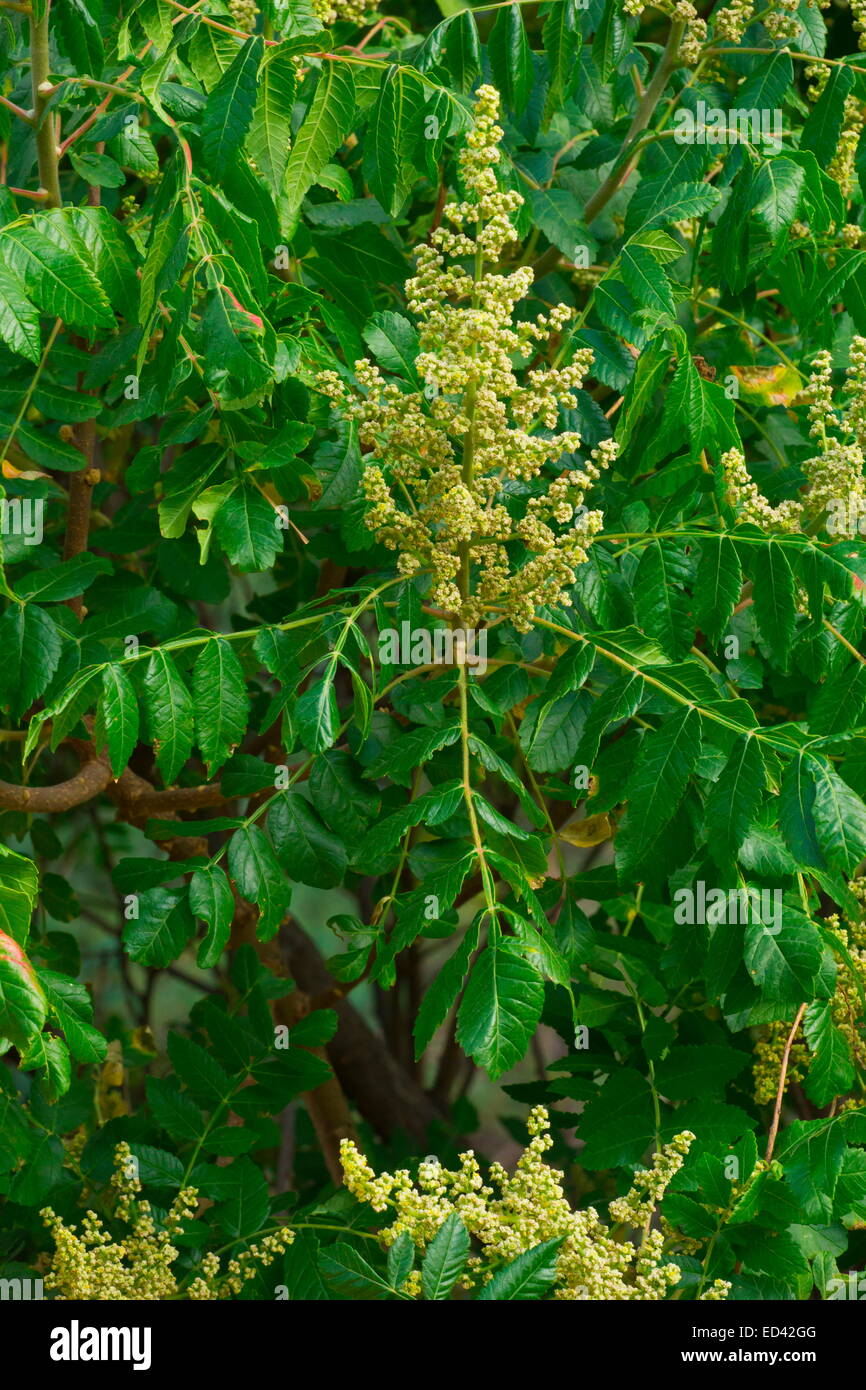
column 644, row 278
column 529, row 1276
column 23, row 1007
column 617, row 1124
column 393, row 340
column 734, row 799
column 317, row 715
column 611, row 40
column 831, row 1071
column 117, row 717
column 56, row 277
column 340, row 795
column 30, row 643
column 62, row 581
column 51, row 1056
column 270, row 134
column 785, row 963
column 349, row 1274
column 309, row 851
column 161, row 929
column 500, row 1009
column 220, row 700
column 768, row 85
column 461, row 50
column 242, row 1193
column 165, row 258
column 840, row 819
column 247, row 527
column 651, row 369
column 658, row 204
column 558, row 213
column 229, row 109
column 400, row 759
column 822, row 129
column 157, row 1167
column 443, row 991
column 840, row 701
column 199, row 1071
column 511, row 58
column 718, row 584
column 254, row 868
column 774, row 598
column 550, row 733
column 697, row 408
column 401, row 1258
column 445, row 1258
column 562, row 39
column 19, row 319
column 234, row 338
column 98, row 170
column 72, row 1007
column 168, row 714
column 392, row 134
column 698, row 1071
column 173, row 1109
column 778, row 190
column 210, row 897
column 663, row 609
column 79, row 35
column 796, row 818
column 324, row 128
column 19, row 886
column 665, row 760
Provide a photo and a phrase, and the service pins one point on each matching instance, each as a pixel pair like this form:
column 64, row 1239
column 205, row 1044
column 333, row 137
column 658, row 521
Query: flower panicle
column 444, row 459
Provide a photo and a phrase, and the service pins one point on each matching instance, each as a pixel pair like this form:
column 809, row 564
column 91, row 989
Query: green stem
column 46, row 145
column 642, row 117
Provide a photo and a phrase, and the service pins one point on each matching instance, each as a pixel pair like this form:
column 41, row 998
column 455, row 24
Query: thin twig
column 780, row 1094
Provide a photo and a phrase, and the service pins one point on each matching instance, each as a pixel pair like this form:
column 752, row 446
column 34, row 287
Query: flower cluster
column 91, row 1264
column 244, row 14
column 769, row 1053
column 695, row 35
column 779, row 18
column 842, row 166
column 834, row 476
column 345, row 11
column 444, row 460
column 513, row 1212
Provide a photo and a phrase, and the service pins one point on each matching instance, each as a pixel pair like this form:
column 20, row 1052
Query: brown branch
column 387, row 1096
column 780, row 1094
column 137, row 799
column 93, row 778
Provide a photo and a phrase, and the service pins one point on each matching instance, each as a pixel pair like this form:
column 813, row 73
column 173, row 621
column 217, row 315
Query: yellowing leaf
column 593, row 830
column 772, row 385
